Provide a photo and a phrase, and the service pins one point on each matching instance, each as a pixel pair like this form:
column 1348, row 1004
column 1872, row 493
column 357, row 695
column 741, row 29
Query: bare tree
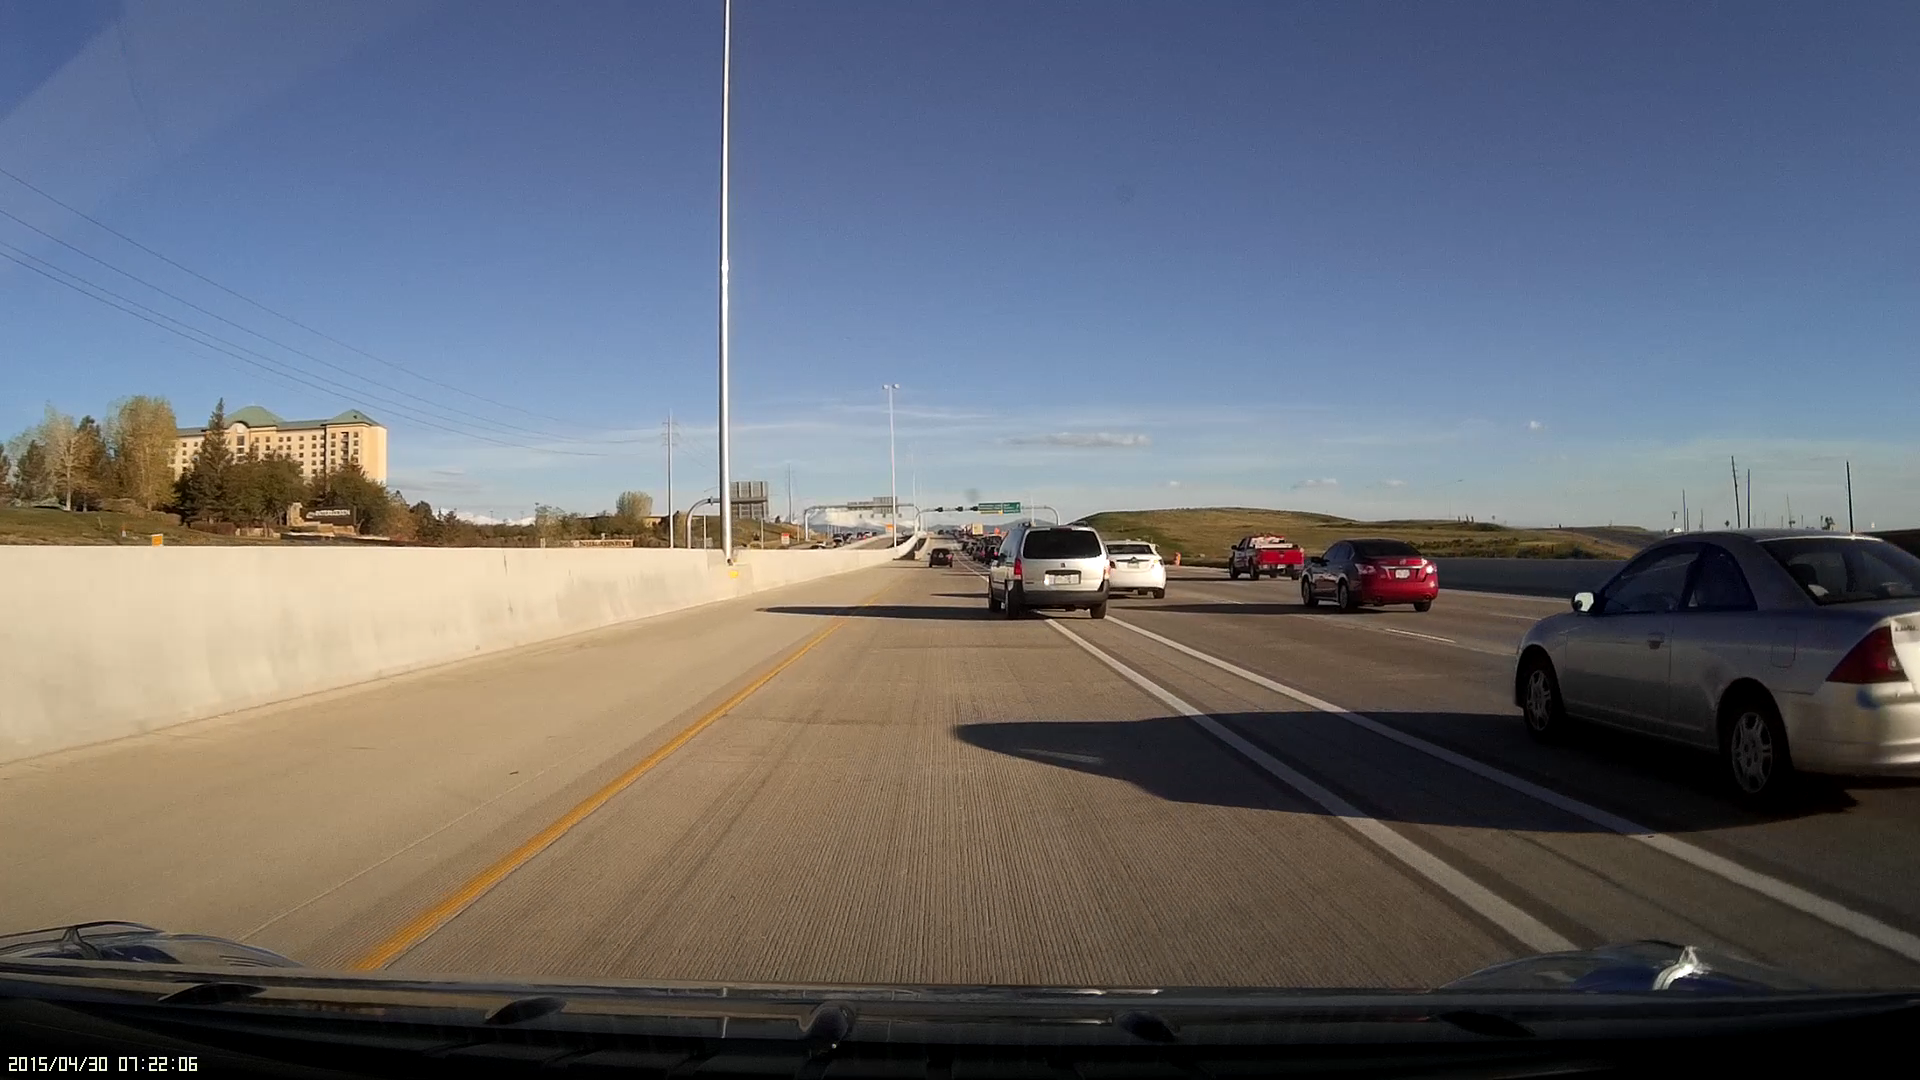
column 140, row 433
column 56, row 436
column 632, row 509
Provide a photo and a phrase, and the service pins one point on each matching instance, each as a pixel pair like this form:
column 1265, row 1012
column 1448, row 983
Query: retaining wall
column 98, row 643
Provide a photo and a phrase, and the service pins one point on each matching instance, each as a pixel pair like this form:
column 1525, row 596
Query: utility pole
column 726, row 165
column 1749, row 498
column 893, row 469
column 1685, row 521
column 789, row 492
column 1789, row 511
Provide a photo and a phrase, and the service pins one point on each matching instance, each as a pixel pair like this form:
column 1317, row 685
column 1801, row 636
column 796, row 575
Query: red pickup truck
column 1266, row 556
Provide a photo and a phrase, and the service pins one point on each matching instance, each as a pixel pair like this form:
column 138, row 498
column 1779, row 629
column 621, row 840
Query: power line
column 97, row 223
column 126, row 306
column 504, row 427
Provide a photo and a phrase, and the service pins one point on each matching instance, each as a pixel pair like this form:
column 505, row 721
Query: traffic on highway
column 1292, row 795
column 1233, row 539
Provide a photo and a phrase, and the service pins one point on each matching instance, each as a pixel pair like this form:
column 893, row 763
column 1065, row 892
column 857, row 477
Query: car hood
column 1633, row 967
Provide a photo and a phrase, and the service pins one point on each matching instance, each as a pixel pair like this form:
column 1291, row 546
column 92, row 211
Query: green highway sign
column 997, row 508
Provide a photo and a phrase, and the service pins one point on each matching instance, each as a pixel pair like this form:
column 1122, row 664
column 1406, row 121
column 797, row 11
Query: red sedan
column 1371, row 573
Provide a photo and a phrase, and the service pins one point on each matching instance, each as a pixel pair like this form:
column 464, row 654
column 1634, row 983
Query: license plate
column 1069, row 577
column 1403, row 574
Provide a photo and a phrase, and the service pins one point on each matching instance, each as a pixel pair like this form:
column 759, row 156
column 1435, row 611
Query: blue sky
column 1534, row 261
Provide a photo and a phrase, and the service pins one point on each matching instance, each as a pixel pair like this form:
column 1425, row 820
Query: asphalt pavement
column 872, row 779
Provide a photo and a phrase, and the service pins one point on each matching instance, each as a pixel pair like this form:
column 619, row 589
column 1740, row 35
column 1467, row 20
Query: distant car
column 1779, row 650
column 1370, row 572
column 940, row 556
column 1137, row 569
column 1049, row 566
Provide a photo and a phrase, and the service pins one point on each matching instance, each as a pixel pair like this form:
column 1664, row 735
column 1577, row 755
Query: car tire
column 1233, row 573
column 1011, row 605
column 1540, row 703
column 993, row 602
column 1343, row 598
column 1307, row 596
column 1159, row 594
column 1099, row 610
column 1423, row 605
column 1753, row 749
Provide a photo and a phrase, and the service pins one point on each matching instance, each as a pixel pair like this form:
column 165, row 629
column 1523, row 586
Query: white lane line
column 1856, row 923
column 1350, row 623
column 1554, row 600
column 1523, row 927
column 1410, row 633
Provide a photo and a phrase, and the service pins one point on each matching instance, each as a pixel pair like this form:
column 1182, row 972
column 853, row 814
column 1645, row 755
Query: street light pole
column 893, row 472
column 726, row 121
column 669, row 442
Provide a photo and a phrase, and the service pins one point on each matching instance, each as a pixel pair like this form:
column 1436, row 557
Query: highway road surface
column 871, row 779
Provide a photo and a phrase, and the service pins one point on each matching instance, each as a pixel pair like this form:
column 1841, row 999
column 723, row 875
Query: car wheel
column 1307, row 596
column 1010, row 606
column 1423, row 605
column 1343, row 599
column 1754, row 746
column 1540, row 703
column 1159, row 594
column 1233, row 573
column 1099, row 610
column 993, row 602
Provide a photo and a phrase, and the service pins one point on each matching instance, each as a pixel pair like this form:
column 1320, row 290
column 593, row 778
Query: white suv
column 1049, row 566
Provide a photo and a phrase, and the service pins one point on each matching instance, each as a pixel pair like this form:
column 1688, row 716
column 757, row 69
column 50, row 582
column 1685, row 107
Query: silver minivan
column 1049, row 566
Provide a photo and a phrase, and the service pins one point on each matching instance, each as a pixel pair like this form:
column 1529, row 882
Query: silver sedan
column 1776, row 649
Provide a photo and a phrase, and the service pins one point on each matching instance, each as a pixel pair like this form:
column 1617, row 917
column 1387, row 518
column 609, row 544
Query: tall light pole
column 668, row 438
column 726, row 122
column 893, row 472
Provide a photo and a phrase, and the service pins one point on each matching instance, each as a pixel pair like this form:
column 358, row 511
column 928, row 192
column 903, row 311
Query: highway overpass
column 865, row 778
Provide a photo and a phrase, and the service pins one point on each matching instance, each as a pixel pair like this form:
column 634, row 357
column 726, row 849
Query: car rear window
column 1129, row 549
column 1840, row 570
column 1062, row 544
column 1375, row 549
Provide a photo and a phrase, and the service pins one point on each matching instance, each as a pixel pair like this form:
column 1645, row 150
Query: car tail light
column 1016, row 568
column 1107, row 571
column 1367, row 568
column 1871, row 661
column 1431, row 568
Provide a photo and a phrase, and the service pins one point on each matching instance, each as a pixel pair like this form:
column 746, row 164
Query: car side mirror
column 1583, row 602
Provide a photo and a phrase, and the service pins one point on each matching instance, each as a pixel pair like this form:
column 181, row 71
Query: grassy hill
column 1203, row 535
column 36, row 525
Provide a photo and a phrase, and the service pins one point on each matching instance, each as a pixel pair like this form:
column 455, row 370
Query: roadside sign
column 997, row 508
column 158, row 540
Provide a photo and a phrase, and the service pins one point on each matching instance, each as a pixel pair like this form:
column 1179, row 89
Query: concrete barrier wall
column 1528, row 577
column 101, row 643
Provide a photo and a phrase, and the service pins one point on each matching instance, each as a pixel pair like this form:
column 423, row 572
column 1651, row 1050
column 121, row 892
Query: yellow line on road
column 457, row 901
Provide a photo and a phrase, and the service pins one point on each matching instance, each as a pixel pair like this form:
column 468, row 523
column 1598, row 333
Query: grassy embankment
column 1202, row 536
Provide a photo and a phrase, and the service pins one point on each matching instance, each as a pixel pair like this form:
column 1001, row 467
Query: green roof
column 254, row 417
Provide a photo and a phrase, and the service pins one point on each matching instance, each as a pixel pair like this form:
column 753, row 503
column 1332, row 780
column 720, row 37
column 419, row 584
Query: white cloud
column 1080, row 439
column 1173, row 483
column 1323, row 483
column 1536, row 425
column 1393, row 483
column 488, row 519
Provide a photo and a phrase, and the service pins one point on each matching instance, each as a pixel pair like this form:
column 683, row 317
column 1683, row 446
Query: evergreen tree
column 203, row 487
